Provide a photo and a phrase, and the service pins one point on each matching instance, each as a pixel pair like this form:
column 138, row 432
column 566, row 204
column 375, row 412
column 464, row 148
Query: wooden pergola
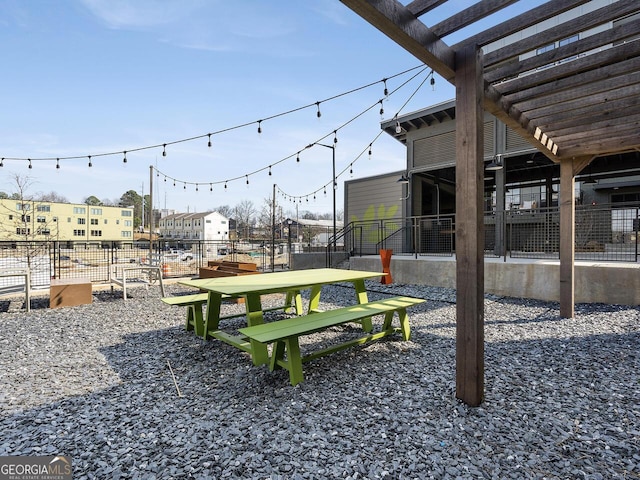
column 575, row 102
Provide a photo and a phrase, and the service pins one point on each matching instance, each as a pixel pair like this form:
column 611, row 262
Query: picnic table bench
column 284, row 334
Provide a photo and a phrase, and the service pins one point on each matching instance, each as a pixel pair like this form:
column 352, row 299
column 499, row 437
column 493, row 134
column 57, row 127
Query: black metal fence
column 602, row 233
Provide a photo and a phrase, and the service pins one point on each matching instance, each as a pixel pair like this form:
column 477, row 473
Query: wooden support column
column 469, row 227
column 567, row 238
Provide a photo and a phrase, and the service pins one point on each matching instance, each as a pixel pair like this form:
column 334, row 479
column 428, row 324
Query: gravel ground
column 562, row 397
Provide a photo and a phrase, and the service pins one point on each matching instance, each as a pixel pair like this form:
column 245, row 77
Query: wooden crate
column 69, row 292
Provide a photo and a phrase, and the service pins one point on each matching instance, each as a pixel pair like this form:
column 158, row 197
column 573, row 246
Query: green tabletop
column 278, row 281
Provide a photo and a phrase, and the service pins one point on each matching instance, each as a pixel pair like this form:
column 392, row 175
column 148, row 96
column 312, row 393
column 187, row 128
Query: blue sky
column 86, row 77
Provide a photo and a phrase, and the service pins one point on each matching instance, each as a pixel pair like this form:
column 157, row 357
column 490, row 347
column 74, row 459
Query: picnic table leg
column 404, row 323
column 195, row 319
column 361, row 297
column 213, row 313
column 294, row 360
column 294, row 299
column 259, row 352
column 314, row 298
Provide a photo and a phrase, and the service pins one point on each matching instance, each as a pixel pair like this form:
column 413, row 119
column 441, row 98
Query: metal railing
column 602, row 233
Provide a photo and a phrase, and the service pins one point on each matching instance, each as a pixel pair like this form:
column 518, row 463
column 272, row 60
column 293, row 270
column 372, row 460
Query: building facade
column 40, row 220
column 208, row 226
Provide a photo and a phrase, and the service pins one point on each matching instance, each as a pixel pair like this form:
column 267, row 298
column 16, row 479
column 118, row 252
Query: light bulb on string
column 433, row 83
column 211, row 187
column 196, row 187
column 2, row 162
column 57, row 163
column 381, row 110
column 269, row 170
column 225, row 186
column 386, row 91
column 124, row 160
column 90, row 164
column 247, row 177
column 370, row 151
column 185, row 186
column 335, row 136
column 30, row 166
column 398, row 127
column 259, row 126
column 174, row 183
column 209, row 144
column 318, row 114
column 325, row 190
column 298, row 157
column 164, row 149
column 351, row 169
column 165, row 179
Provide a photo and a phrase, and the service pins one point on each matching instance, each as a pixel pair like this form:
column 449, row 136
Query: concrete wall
column 594, row 282
column 302, row 261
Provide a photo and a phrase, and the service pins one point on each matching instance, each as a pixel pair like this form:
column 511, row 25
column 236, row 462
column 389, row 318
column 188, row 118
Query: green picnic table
column 253, row 287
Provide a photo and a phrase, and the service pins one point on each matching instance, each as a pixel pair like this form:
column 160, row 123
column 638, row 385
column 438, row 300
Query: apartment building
column 210, row 226
column 39, row 220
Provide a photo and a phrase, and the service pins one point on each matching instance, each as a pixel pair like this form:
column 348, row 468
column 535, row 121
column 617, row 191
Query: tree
column 52, row 197
column 131, row 198
column 244, row 214
column 92, row 200
column 26, row 220
column 225, row 211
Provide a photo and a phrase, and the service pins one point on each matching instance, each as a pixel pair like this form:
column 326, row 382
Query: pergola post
column 567, row 238
column 469, row 227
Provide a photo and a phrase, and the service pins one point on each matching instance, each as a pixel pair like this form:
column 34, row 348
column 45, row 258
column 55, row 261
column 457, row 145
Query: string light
column 185, row 186
column 421, row 68
column 30, row 166
column 211, row 187
column 298, row 157
column 318, row 114
column 351, row 169
column 209, row 144
column 247, row 177
column 370, row 150
column 90, row 164
column 381, row 109
column 124, row 160
column 57, row 163
column 335, row 136
column 196, row 187
column 269, row 170
column 225, row 186
column 433, row 83
column 2, row 162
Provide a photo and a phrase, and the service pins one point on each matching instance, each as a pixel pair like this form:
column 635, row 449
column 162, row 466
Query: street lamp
column 333, row 148
column 289, row 223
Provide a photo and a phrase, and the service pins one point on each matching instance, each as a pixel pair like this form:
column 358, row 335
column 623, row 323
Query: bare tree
column 244, row 215
column 51, row 197
column 27, row 221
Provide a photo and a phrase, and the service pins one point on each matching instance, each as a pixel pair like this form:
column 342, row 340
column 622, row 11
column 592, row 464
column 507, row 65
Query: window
column 127, row 213
column 79, row 210
column 125, row 233
column 43, row 208
column 128, row 223
column 82, row 221
column 23, row 231
column 223, row 222
column 10, row 217
column 79, row 233
column 207, row 221
column 68, row 219
column 96, row 211
column 26, row 218
column 94, row 221
column 44, row 231
column 23, row 206
column 105, row 221
column 96, row 233
column 117, row 222
column 41, row 219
